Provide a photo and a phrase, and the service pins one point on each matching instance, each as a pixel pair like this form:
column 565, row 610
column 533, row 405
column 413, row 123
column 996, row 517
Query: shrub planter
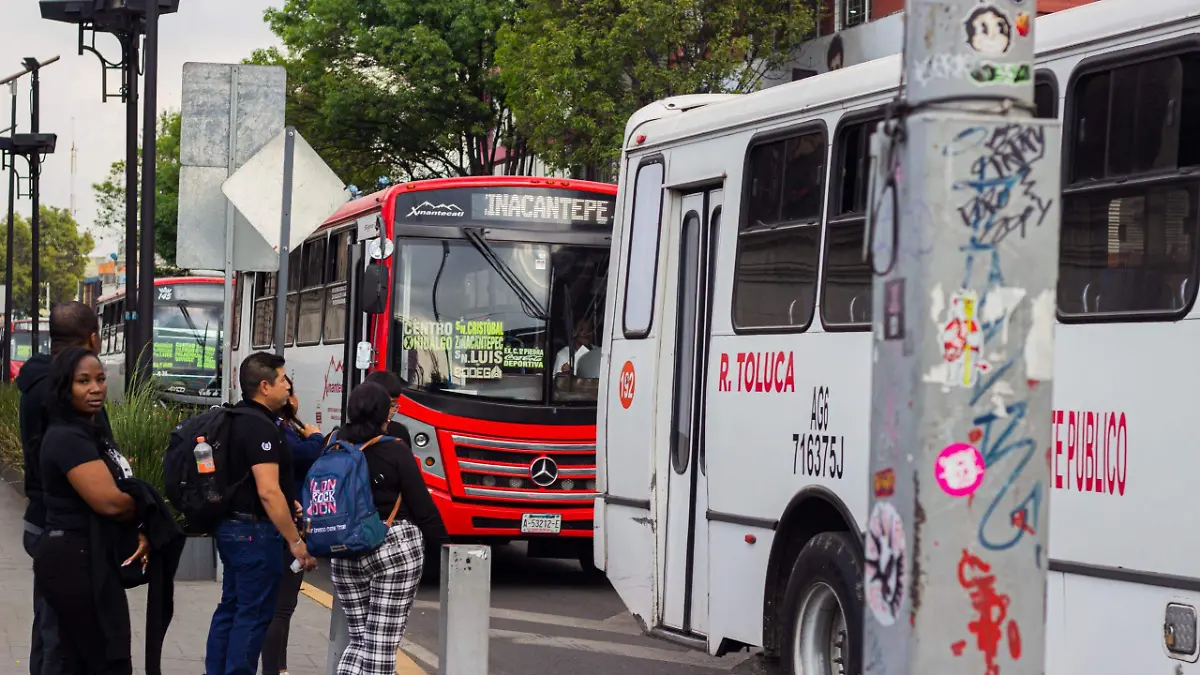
column 199, row 560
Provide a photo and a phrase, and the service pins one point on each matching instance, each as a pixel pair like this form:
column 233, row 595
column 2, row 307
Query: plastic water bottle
column 204, row 456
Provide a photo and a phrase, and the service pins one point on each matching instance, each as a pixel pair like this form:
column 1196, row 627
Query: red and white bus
column 21, row 344
column 187, row 339
column 471, row 290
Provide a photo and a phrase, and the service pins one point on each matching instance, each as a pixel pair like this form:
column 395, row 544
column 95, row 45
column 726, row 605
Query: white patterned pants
column 377, row 593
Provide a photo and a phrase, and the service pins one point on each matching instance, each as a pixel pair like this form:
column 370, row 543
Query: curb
column 405, row 665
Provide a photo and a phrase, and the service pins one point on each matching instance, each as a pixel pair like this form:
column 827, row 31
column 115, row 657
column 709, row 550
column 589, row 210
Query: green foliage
column 10, row 430
column 398, row 88
column 110, row 194
column 141, row 426
column 576, row 70
column 63, row 254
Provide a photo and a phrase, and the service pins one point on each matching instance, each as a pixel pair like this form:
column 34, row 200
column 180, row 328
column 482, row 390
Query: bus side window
column 1128, row 247
column 779, row 237
column 643, row 249
column 295, row 278
column 846, row 286
column 312, row 292
column 338, row 263
column 105, row 328
column 1044, row 99
column 262, row 328
column 235, row 340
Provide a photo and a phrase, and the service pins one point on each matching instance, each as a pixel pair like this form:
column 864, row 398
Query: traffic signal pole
column 964, row 225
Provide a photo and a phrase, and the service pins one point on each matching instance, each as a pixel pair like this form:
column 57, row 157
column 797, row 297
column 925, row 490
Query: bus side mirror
column 372, row 297
column 363, row 354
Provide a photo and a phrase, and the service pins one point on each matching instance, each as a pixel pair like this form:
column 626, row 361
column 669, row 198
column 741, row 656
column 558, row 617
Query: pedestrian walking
column 72, row 324
column 394, row 386
column 99, row 521
column 250, row 539
column 306, row 443
column 377, row 589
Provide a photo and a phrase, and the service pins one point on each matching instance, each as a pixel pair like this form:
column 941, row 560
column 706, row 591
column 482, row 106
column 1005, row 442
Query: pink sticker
column 959, row 469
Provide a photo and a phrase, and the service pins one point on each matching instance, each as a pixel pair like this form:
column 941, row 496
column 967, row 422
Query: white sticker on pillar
column 885, row 575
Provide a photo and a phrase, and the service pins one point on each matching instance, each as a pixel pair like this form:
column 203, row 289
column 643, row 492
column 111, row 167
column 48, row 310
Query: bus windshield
column 187, row 338
column 504, row 320
column 22, row 344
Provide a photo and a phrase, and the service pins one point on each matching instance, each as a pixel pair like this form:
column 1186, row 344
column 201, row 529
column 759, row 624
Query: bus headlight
column 425, row 445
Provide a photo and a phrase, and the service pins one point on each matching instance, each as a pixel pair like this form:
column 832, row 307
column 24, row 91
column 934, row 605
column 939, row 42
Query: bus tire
column 822, row 609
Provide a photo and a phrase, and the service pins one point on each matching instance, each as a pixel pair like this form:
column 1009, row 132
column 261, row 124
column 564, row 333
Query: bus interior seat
column 588, row 365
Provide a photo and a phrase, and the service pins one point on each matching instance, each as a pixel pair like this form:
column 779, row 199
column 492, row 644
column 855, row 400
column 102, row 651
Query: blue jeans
column 252, row 555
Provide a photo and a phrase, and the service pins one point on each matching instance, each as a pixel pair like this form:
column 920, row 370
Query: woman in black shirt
column 80, row 468
column 377, row 590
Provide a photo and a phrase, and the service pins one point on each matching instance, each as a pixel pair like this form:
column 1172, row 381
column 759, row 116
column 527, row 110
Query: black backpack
column 202, row 499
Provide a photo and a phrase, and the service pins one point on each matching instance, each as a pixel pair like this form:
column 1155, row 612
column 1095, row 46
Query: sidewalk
column 183, row 652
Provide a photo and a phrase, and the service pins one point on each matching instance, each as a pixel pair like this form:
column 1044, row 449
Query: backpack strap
column 396, row 506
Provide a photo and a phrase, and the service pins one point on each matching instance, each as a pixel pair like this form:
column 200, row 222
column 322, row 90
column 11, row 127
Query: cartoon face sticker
column 989, row 31
column 959, row 470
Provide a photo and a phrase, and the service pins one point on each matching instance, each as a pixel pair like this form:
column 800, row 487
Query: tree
column 110, row 194
column 400, row 88
column 576, row 70
column 63, row 252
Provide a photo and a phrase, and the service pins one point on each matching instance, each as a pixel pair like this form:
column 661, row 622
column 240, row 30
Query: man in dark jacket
column 72, row 324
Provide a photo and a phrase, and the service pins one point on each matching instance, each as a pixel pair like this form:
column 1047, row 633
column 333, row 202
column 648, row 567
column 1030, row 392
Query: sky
column 213, row 31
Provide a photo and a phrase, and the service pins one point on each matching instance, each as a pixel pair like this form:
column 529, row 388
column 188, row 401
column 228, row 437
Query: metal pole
column 35, row 220
column 339, row 636
column 145, row 306
column 131, row 201
column 230, row 215
column 964, row 217
column 466, row 610
column 285, row 233
column 8, row 255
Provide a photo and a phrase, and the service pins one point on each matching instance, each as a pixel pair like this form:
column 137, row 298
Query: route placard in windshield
column 478, row 318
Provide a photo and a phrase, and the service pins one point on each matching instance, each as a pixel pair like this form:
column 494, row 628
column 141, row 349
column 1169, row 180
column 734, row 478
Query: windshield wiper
column 533, row 308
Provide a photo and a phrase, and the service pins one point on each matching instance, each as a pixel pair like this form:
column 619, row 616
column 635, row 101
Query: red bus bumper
column 471, row 520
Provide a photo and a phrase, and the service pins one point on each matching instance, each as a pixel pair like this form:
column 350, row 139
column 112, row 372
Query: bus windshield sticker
column 959, row 469
column 884, row 573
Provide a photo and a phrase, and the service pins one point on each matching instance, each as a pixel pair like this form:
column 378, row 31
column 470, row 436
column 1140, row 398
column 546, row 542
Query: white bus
column 734, row 434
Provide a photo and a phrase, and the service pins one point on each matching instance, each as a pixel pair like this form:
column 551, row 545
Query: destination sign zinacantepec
column 506, row 205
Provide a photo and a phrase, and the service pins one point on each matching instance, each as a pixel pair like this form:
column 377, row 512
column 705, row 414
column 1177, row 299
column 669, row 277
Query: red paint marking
column 991, row 607
column 1018, row 521
column 1032, row 383
column 958, row 647
column 975, row 435
column 1014, row 640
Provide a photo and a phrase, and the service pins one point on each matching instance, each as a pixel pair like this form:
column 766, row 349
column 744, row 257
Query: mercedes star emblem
column 543, row 472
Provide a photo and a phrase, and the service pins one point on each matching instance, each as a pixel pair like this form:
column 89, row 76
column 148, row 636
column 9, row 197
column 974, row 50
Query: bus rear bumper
column 503, row 521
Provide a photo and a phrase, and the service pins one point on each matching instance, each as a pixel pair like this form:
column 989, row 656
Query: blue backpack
column 340, row 517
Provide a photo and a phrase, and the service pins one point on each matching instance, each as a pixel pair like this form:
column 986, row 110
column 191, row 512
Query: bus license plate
column 541, row 523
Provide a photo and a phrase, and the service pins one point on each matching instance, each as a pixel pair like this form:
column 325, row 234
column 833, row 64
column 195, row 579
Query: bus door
column 685, row 581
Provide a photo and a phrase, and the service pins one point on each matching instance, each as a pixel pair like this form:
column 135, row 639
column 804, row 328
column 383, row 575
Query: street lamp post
column 128, row 20
column 32, row 147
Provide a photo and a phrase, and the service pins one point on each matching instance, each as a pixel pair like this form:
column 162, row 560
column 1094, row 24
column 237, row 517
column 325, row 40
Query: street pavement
column 548, row 618
column 183, row 651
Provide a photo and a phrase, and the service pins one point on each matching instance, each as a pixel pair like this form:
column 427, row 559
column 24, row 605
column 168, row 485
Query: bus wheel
column 822, row 619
